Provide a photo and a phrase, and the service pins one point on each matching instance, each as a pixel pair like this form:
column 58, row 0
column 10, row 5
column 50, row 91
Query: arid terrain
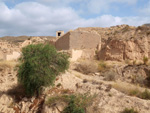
column 114, row 70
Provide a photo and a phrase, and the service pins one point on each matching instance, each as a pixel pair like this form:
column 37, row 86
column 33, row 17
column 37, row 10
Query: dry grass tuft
column 110, row 76
column 87, row 67
column 8, row 64
column 132, row 90
column 125, row 87
column 103, row 66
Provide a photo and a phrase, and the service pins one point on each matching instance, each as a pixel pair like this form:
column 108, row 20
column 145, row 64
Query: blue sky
column 45, row 17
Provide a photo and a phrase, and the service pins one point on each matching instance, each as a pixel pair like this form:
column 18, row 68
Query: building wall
column 76, row 54
column 78, row 40
column 63, row 42
column 84, row 40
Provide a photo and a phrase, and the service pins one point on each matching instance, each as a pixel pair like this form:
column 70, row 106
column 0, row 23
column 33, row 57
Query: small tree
column 39, row 66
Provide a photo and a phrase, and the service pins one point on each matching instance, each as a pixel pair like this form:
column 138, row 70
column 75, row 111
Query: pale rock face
column 121, row 50
column 122, row 42
column 33, row 40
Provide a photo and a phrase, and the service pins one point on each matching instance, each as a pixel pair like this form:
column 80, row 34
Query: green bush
column 39, row 66
column 72, row 106
column 126, row 110
column 76, row 103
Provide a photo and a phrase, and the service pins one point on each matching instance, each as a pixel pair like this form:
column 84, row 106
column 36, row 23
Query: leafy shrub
column 87, row 67
column 72, row 107
column 76, row 103
column 126, row 110
column 39, row 66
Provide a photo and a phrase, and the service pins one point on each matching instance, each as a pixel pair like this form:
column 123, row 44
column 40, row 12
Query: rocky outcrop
column 120, row 50
column 123, row 42
column 33, row 40
column 9, row 51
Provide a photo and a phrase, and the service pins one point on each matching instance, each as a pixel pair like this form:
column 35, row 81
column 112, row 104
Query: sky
column 45, row 17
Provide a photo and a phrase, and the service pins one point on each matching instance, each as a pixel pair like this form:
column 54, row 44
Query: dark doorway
column 59, row 33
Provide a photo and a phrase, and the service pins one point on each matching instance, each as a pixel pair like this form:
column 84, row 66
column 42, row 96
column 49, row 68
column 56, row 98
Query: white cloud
column 32, row 18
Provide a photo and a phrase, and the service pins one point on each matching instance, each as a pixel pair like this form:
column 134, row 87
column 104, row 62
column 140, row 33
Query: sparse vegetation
column 131, row 110
column 140, row 94
column 132, row 91
column 145, row 95
column 87, row 67
column 138, row 79
column 59, row 98
column 76, row 103
column 102, row 66
column 145, row 60
column 110, row 76
column 39, row 66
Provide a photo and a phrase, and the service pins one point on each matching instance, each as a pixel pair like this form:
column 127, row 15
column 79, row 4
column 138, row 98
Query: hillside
column 112, row 76
column 19, row 39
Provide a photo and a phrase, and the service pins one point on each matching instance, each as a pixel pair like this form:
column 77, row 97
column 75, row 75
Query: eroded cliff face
column 123, row 42
column 120, row 50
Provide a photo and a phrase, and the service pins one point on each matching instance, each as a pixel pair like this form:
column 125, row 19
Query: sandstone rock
column 122, row 42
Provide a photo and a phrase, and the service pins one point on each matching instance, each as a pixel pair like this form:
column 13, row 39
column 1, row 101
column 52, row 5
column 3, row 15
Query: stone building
column 78, row 40
column 59, row 33
column 79, row 44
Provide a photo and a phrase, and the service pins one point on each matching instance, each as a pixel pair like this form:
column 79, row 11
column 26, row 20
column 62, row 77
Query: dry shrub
column 8, row 64
column 131, row 110
column 138, row 79
column 132, row 90
column 110, row 76
column 127, row 61
column 75, row 103
column 102, row 66
column 126, row 88
column 87, row 67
